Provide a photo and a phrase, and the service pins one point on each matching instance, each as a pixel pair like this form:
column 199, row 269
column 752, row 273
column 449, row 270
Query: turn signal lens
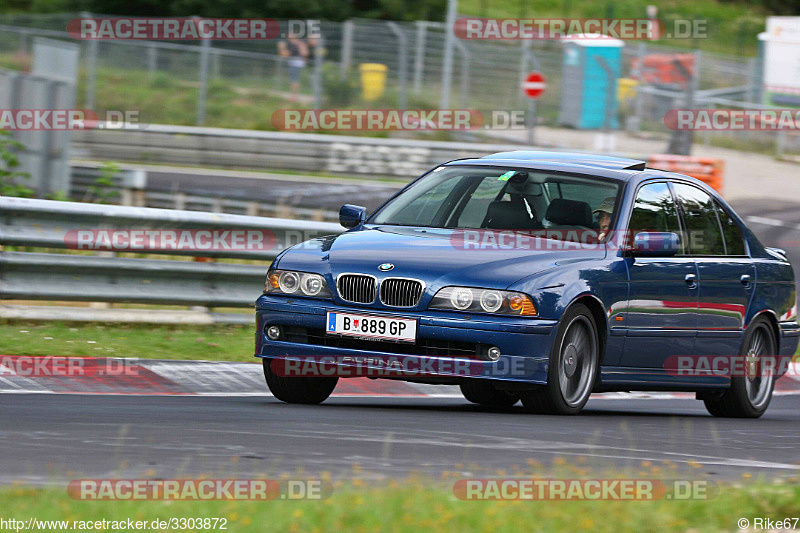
column 528, row 309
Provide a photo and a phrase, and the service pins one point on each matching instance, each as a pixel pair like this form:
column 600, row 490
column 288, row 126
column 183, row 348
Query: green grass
column 146, row 341
column 419, row 505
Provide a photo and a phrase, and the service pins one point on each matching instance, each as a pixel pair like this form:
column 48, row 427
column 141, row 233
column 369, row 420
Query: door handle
column 745, row 279
column 691, row 279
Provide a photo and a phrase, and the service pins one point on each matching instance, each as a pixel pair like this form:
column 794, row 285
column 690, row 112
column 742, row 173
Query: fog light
column 274, row 333
column 493, row 353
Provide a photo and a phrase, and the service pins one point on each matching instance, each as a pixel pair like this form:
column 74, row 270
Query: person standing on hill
column 297, row 51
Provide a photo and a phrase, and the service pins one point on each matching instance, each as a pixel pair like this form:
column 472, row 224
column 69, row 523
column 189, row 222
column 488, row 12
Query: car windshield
column 502, row 199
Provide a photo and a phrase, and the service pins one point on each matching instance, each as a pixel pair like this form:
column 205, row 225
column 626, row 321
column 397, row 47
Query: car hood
column 436, row 256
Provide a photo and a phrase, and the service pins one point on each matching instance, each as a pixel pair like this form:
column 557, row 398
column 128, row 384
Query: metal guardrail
column 130, row 187
column 106, row 278
column 250, row 149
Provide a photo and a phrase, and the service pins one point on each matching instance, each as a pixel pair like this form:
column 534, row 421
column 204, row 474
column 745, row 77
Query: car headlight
column 297, row 284
column 491, row 301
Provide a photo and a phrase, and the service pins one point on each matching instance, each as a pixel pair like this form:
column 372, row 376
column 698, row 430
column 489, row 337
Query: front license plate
column 372, row 327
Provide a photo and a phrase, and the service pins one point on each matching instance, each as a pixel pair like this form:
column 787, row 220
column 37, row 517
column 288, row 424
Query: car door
column 725, row 273
column 661, row 320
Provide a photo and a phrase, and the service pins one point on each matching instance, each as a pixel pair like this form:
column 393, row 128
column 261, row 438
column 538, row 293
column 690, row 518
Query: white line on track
column 772, row 222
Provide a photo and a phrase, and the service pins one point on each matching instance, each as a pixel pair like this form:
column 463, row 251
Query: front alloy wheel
column 572, row 372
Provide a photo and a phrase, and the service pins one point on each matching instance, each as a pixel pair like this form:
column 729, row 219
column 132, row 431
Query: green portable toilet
column 585, row 96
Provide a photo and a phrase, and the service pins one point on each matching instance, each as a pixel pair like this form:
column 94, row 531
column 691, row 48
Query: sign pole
column 532, row 114
column 533, row 87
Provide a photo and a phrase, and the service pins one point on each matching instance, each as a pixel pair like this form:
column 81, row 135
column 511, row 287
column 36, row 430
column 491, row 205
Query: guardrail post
column 402, row 40
column 23, row 42
column 316, row 79
column 152, row 60
column 449, row 44
column 215, row 53
column 91, row 73
column 202, row 91
column 634, row 124
column 347, row 49
column 419, row 54
column 465, row 60
column 180, row 200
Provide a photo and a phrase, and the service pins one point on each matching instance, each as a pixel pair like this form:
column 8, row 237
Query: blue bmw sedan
column 536, row 277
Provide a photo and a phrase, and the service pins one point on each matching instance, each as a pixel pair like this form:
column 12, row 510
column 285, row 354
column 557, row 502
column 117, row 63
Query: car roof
column 602, row 165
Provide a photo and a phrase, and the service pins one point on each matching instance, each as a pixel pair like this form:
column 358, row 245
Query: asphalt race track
column 56, row 437
column 775, row 223
column 48, row 438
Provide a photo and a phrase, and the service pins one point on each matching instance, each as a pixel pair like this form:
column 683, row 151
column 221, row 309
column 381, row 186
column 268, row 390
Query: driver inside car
column 605, row 213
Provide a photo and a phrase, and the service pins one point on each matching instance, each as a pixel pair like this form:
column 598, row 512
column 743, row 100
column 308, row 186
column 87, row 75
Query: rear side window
column 734, row 240
column 702, row 227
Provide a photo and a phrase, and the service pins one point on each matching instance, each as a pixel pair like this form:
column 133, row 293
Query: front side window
column 654, row 210
column 703, row 232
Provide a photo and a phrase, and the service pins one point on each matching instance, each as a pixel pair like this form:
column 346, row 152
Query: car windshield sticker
column 507, row 175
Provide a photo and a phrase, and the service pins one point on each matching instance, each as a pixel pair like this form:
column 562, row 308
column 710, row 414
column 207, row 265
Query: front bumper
column 524, row 342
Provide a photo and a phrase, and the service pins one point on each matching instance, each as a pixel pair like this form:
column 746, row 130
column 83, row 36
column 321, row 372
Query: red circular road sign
column 534, row 85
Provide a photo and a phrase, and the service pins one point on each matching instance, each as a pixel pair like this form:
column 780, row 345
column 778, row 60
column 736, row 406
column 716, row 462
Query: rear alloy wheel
column 483, row 393
column 298, row 389
column 750, row 394
column 573, row 366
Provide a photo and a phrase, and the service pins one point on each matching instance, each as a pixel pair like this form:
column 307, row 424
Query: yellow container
column 373, row 80
column 626, row 89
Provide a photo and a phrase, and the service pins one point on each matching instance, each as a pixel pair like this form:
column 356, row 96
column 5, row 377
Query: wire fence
column 240, row 83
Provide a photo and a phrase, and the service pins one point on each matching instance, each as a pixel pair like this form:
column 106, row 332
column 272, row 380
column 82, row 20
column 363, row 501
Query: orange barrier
column 706, row 169
column 661, row 68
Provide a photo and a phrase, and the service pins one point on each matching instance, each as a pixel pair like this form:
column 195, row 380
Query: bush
column 339, row 92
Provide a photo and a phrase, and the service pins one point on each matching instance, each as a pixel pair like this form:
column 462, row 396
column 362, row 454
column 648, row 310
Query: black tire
column 306, row 390
column 748, row 397
column 482, row 392
column 579, row 357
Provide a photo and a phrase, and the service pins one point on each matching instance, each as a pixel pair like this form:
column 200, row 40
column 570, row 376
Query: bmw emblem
column 385, row 267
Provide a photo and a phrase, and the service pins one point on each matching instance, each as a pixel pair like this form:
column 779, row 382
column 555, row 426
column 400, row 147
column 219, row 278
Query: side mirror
column 656, row 244
column 351, row 216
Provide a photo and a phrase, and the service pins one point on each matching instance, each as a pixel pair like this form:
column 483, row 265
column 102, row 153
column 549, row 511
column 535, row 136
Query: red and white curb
column 20, row 374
